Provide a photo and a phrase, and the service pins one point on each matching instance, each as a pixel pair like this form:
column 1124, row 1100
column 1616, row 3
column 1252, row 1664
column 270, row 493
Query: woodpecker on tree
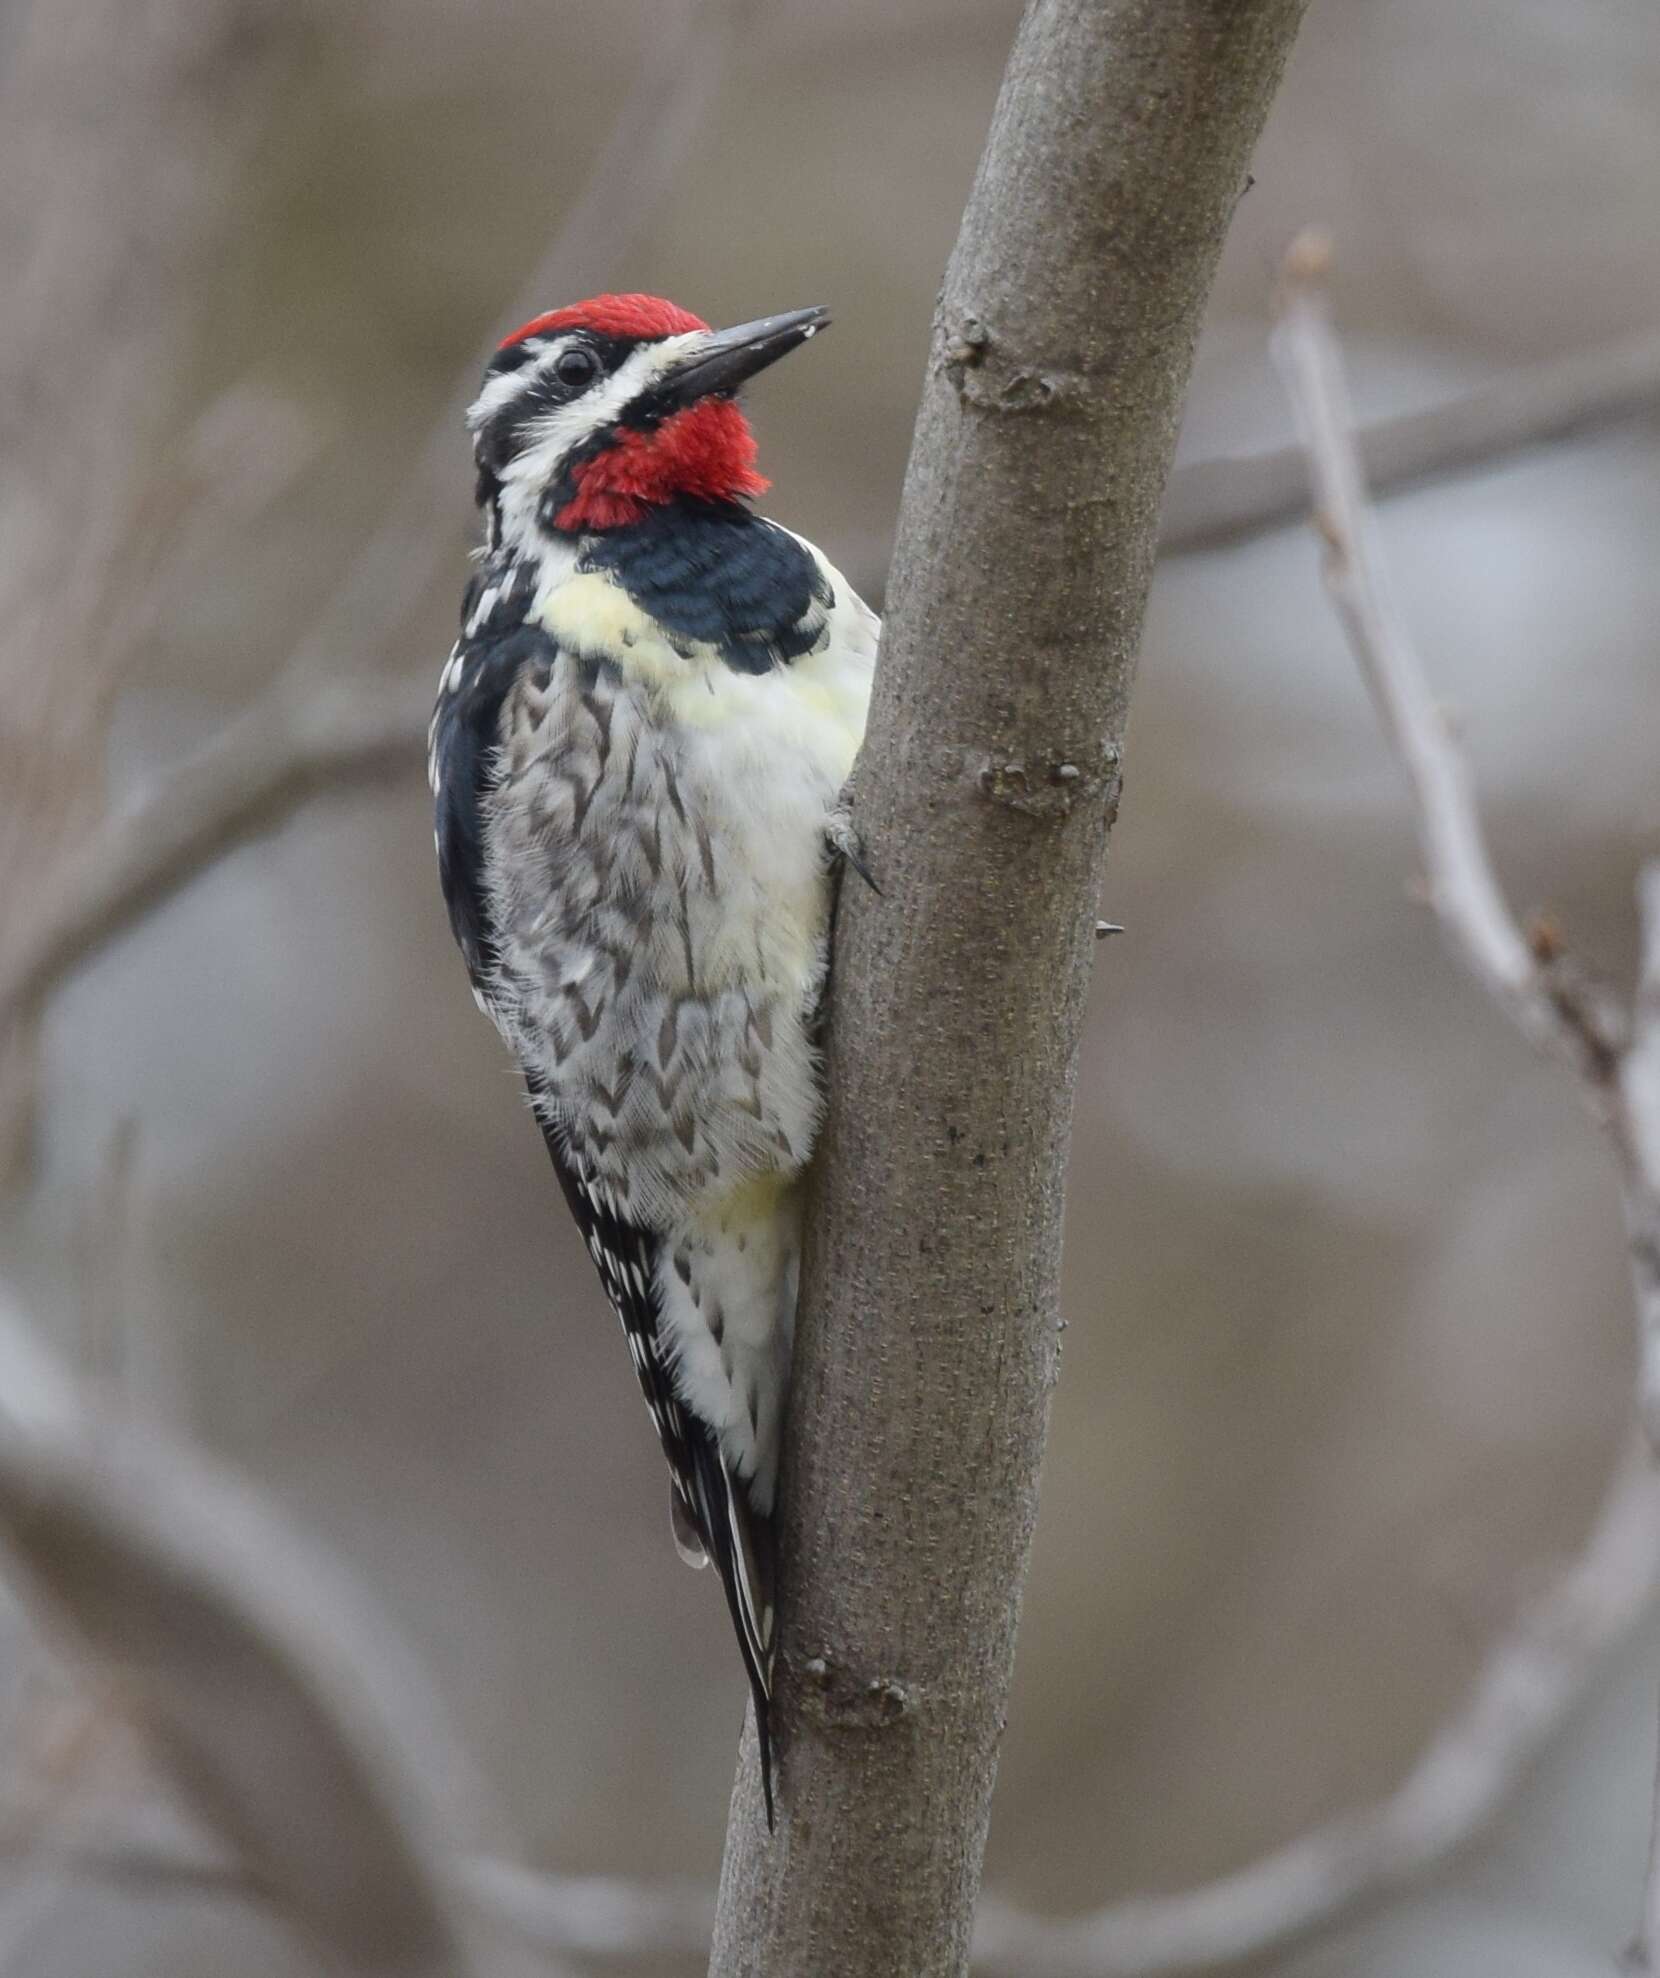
column 637, row 758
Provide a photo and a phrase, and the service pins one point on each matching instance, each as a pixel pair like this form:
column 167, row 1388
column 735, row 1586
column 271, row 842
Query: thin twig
column 1464, row 888
column 1221, row 500
column 1550, row 999
column 1615, row 1054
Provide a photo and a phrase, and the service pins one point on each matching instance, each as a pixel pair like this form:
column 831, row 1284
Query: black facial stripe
column 609, row 350
column 654, row 405
column 512, row 357
column 506, row 431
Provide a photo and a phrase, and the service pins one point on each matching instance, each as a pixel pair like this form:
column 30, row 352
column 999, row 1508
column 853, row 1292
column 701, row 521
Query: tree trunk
column 928, row 1336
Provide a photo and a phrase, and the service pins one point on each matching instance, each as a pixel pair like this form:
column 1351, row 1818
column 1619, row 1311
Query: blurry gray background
column 1349, row 1352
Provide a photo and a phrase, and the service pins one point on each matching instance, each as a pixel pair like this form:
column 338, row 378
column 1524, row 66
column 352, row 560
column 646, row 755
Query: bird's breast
column 655, row 855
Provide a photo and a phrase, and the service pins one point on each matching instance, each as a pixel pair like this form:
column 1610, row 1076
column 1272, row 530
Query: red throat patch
column 706, row 451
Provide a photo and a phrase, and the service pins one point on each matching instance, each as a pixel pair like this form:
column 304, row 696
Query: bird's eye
column 576, row 368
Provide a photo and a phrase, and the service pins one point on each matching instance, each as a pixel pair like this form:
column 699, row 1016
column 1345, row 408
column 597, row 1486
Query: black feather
column 713, row 572
column 465, row 726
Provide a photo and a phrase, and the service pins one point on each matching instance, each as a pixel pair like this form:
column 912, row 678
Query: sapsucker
column 637, row 756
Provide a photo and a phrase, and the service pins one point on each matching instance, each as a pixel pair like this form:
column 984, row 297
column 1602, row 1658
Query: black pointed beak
column 725, row 360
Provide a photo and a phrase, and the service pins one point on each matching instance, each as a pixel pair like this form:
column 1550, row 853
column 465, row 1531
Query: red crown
column 612, row 316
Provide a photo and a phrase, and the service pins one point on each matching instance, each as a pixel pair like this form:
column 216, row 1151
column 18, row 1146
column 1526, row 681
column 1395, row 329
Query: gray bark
column 928, row 1340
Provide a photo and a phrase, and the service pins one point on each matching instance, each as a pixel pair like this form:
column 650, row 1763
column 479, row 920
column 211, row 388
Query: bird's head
column 591, row 416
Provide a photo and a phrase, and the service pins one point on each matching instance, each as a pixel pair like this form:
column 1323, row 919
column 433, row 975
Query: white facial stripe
column 507, row 385
column 552, row 435
column 595, row 407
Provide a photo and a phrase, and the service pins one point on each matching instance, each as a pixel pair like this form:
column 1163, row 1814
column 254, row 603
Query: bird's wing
column 707, row 1497
column 461, row 752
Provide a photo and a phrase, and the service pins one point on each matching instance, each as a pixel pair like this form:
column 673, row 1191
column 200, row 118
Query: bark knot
column 1049, row 786
column 843, row 1699
column 992, row 378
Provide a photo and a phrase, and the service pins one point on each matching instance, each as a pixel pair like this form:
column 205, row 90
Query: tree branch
column 1534, row 1675
column 284, row 1712
column 1547, row 995
column 1218, row 501
column 298, row 739
column 926, row 1351
column 1539, row 1669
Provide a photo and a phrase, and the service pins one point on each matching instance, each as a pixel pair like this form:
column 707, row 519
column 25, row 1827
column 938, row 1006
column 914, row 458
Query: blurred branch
column 1639, row 1090
column 1550, row 998
column 1530, row 1680
column 280, row 1708
column 315, row 726
column 1216, row 501
column 553, row 1917
column 1614, row 1053
column 298, row 739
column 122, row 129
column 1224, row 498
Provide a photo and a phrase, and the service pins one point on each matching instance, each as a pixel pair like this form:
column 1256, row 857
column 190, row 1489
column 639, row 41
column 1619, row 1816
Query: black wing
column 713, row 1503
column 461, row 746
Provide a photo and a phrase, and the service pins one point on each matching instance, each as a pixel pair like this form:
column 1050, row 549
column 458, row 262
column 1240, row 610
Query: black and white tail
column 739, row 1540
column 711, row 1510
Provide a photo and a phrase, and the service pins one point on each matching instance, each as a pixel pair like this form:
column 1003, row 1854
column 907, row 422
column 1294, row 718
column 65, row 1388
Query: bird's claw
column 849, row 847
